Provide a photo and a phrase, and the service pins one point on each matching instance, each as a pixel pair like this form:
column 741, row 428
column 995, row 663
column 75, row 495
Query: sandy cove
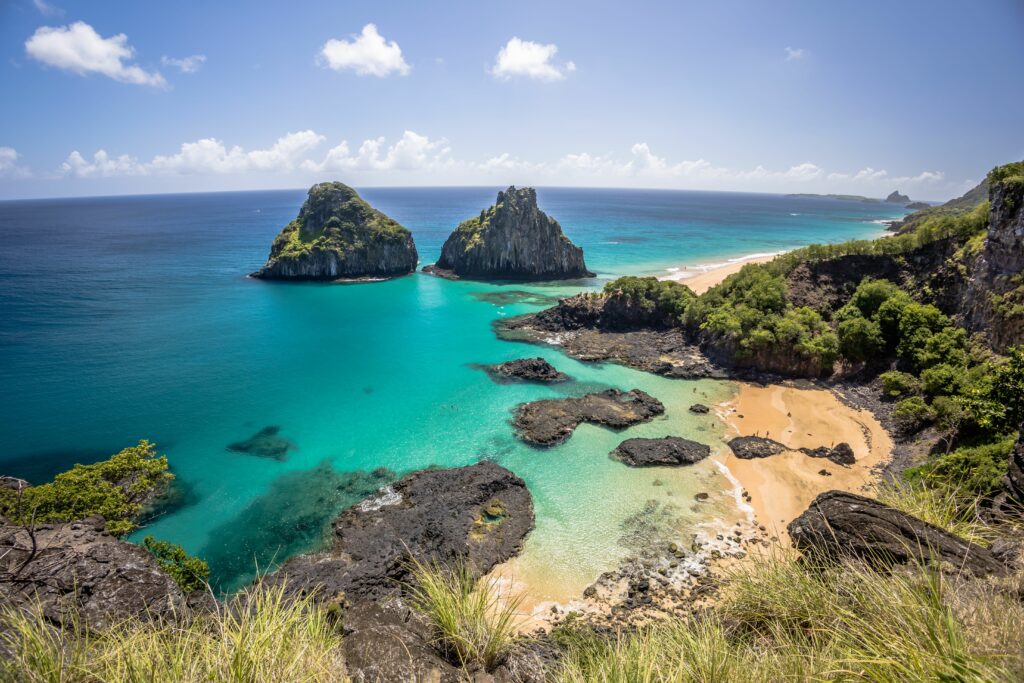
column 701, row 279
column 782, row 486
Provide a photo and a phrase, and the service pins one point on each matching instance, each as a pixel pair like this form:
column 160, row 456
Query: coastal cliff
column 338, row 235
column 511, row 240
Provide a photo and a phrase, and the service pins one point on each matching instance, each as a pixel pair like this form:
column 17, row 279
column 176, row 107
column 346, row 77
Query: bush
column 117, row 489
column 860, row 339
column 968, row 471
column 896, row 384
column 1008, row 390
column 190, row 573
column 912, row 414
column 871, row 294
column 942, row 379
column 918, row 323
column 664, row 299
column 472, row 622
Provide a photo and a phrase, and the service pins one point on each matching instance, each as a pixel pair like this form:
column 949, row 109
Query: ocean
column 128, row 318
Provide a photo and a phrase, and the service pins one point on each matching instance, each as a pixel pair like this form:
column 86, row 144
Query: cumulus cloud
column 368, row 54
column 531, row 60
column 794, row 53
column 411, row 152
column 9, row 167
column 186, row 65
column 78, row 48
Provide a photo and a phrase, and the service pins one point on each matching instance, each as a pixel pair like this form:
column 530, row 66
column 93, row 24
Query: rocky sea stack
column 512, row 240
column 338, row 236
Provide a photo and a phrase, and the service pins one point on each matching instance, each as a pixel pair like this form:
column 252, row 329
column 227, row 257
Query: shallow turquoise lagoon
column 129, row 318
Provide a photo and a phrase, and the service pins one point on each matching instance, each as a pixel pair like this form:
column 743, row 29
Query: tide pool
column 129, row 318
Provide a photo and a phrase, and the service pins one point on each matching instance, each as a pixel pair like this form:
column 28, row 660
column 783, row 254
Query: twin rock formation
column 338, row 236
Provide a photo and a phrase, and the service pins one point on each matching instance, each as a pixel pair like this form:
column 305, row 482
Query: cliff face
column 512, row 240
column 337, row 235
column 994, row 300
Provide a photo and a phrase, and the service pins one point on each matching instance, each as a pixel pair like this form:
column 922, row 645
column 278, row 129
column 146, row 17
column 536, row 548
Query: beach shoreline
column 701, row 278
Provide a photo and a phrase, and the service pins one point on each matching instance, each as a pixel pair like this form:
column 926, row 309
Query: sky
column 106, row 98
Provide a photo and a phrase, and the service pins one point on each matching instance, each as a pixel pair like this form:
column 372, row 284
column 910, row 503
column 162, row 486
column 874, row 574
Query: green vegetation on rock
column 118, row 489
column 190, row 573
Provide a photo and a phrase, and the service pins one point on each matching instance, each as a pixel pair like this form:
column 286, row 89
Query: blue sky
column 860, row 97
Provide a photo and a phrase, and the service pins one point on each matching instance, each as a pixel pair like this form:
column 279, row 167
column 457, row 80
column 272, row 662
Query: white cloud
column 9, row 167
column 101, row 166
column 79, row 49
column 795, row 53
column 186, row 65
column 529, row 59
column 411, row 152
column 47, row 10
column 367, row 54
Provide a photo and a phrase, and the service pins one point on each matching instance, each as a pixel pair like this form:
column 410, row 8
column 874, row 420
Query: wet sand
column 782, row 486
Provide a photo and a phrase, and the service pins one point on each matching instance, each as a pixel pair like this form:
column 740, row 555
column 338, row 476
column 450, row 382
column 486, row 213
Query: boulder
column 528, row 369
column 667, row 451
column 840, row 525
column 511, row 240
column 78, row 569
column 749, row 447
column 480, row 513
column 700, row 409
column 552, row 421
column 840, row 454
column 338, row 236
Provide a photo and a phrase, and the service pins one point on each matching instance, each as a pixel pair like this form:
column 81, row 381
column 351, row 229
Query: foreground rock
column 750, row 447
column 667, row 451
column 480, row 513
column 512, row 240
column 529, row 370
column 77, row 569
column 338, row 236
column 552, row 421
column 840, row 525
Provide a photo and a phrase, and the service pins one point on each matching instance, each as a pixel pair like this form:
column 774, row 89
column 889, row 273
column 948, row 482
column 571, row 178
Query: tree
column 860, row 339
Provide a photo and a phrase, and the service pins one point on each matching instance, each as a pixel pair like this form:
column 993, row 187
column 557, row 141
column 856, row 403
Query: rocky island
column 339, row 236
column 511, row 240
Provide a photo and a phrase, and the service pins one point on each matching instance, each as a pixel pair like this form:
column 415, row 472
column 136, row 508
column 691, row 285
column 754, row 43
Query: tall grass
column 259, row 638
column 780, row 621
column 474, row 622
column 943, row 507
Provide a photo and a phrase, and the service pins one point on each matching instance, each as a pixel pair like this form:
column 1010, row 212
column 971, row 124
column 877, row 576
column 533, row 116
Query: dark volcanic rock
column 896, row 198
column 338, row 236
column 699, row 409
column 266, row 443
column 841, row 525
column 528, row 369
column 749, row 447
column 840, row 454
column 77, row 568
column 13, row 483
column 552, row 421
column 670, row 450
column 481, row 513
column 512, row 240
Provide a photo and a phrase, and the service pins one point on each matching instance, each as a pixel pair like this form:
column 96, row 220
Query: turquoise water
column 129, row 318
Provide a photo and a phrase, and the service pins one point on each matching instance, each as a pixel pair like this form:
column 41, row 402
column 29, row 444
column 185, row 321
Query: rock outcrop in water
column 512, row 240
column 896, row 198
column 527, row 370
column 840, row 525
column 480, row 513
column 552, row 421
column 338, row 236
column 667, row 451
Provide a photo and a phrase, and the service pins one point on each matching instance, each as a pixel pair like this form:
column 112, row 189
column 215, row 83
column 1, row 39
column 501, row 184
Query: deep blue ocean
column 126, row 318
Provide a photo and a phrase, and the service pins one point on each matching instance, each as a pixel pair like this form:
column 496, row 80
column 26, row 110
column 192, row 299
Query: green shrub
column 912, row 414
column 942, row 379
column 871, row 294
column 860, row 339
column 896, row 384
column 665, row 299
column 969, row 470
column 190, row 573
column 117, row 489
column 1008, row 390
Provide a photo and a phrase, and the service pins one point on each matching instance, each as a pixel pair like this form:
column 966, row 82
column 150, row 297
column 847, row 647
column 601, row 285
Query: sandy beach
column 702, row 278
column 782, row 486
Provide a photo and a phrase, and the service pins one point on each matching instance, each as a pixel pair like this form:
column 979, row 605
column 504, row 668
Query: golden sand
column 701, row 281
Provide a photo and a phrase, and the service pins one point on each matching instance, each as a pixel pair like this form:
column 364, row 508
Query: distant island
column 895, row 197
column 338, row 236
column 511, row 240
